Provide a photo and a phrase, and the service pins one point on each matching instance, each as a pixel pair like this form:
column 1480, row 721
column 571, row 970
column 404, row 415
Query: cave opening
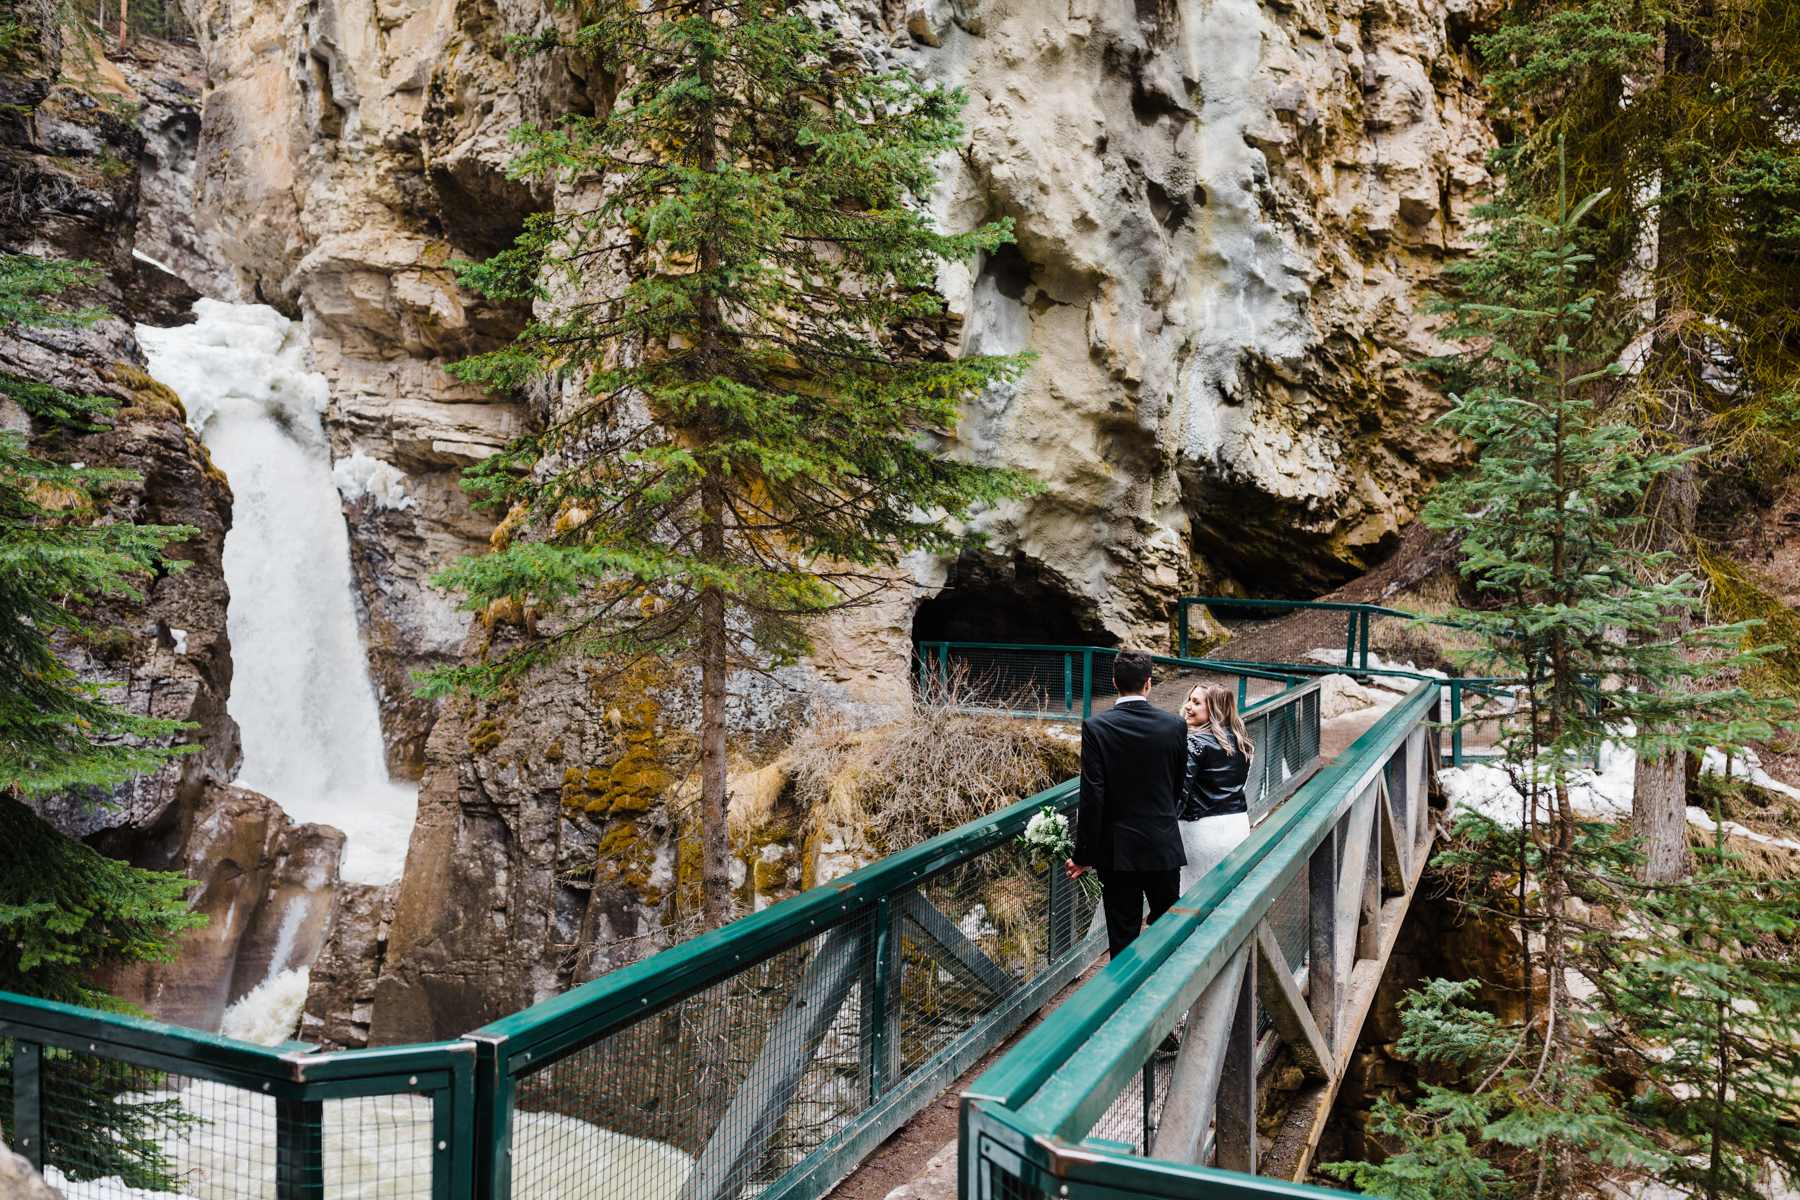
column 988, row 599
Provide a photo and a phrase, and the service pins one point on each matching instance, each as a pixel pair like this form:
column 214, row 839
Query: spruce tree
column 67, row 911
column 1605, row 643
column 737, row 321
column 1683, row 112
column 58, row 558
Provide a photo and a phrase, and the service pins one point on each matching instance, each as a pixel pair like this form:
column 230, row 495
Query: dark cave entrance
column 987, row 599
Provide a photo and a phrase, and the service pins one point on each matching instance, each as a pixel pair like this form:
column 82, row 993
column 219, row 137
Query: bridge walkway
column 919, row 1161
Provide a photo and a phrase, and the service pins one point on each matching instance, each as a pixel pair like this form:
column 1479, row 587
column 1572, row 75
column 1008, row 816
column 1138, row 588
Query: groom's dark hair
column 1131, row 671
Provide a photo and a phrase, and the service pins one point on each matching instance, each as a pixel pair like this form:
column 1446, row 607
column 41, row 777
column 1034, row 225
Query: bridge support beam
column 1194, row 1083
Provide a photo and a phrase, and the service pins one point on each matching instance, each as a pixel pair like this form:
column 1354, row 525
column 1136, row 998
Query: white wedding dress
column 1207, row 841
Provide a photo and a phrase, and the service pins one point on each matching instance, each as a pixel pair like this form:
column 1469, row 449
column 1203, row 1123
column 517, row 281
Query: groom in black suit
column 1133, row 762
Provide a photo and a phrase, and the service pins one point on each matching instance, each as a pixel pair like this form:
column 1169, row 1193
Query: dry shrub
column 939, row 767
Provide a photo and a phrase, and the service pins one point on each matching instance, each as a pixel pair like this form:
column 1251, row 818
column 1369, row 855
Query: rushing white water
column 300, row 685
column 269, row 1013
column 380, row 1146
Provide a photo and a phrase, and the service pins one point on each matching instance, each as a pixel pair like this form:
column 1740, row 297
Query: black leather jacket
column 1215, row 778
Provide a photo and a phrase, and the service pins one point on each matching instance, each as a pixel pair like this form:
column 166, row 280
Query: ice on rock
column 300, row 690
column 363, row 475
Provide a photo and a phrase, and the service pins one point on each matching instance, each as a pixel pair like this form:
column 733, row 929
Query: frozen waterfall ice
column 300, row 689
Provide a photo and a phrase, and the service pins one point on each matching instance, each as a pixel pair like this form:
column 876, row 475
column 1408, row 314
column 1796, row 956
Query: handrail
column 650, row 984
column 1077, row 678
column 1358, row 617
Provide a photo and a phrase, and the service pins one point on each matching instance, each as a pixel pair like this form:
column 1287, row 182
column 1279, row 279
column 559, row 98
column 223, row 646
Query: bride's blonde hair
column 1223, row 720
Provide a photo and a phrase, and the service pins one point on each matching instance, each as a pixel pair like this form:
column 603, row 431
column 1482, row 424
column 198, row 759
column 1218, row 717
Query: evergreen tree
column 66, row 910
column 1574, row 609
column 1683, row 112
column 56, row 559
column 736, row 327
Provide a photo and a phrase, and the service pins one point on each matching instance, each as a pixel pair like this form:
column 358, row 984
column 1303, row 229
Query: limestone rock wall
column 1227, row 214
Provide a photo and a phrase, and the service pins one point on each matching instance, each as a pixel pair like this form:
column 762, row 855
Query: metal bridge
column 767, row 1058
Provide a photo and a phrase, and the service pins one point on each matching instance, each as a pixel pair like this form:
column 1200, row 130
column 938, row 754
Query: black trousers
column 1123, row 894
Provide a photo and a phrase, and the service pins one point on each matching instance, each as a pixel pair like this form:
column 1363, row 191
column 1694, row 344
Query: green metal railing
column 1042, row 1121
column 1357, row 619
column 113, row 1105
column 1048, row 682
column 765, row 1058
column 1061, row 683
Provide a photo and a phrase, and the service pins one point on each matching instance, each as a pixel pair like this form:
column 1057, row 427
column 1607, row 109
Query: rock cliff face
column 1227, row 213
column 74, row 125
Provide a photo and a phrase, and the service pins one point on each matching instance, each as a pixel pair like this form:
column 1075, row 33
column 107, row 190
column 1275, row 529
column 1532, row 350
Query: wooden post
column 1235, row 1120
column 1194, row 1082
column 1322, row 967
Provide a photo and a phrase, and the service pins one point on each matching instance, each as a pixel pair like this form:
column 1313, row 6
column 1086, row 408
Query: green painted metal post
column 299, row 1150
column 1363, row 648
column 1181, row 627
column 944, row 664
column 1349, row 640
column 1068, row 683
column 1243, row 691
column 1087, row 683
column 1456, row 741
column 881, row 1010
column 27, row 1133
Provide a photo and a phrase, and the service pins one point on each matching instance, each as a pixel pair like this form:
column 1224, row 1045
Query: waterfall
column 300, row 689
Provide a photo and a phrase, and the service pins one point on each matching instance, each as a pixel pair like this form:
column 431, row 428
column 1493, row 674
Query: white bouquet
column 1048, row 840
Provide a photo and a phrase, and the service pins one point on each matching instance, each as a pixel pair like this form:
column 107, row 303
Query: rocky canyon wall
column 1227, row 215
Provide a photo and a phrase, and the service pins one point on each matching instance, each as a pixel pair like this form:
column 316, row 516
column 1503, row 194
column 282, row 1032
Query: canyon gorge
column 1229, row 219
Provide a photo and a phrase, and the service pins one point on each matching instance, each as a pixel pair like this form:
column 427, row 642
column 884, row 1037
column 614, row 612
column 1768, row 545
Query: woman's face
column 1194, row 709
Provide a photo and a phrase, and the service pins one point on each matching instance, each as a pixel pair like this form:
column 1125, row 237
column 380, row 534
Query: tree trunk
column 715, row 866
column 124, row 15
column 1659, row 784
column 1659, row 816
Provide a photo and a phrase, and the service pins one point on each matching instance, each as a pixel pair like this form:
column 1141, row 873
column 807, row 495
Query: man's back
column 1133, row 762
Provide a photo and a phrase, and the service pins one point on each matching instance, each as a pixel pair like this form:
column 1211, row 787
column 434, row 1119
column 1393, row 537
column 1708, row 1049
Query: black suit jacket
column 1133, row 764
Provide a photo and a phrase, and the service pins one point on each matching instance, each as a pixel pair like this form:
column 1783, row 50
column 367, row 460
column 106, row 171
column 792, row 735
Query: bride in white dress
column 1215, row 814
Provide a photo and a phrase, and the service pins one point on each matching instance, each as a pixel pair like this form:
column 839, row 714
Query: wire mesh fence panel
column 378, row 1147
column 972, row 936
column 1129, row 1123
column 116, row 1129
column 1290, row 919
column 735, row 1083
column 1026, row 681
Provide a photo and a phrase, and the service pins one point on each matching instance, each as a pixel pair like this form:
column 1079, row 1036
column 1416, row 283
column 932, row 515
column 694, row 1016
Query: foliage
column 937, row 767
column 66, row 910
column 1529, row 1102
column 1704, row 1003
column 76, row 909
column 1682, row 111
column 1547, row 520
column 56, row 730
column 735, row 317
